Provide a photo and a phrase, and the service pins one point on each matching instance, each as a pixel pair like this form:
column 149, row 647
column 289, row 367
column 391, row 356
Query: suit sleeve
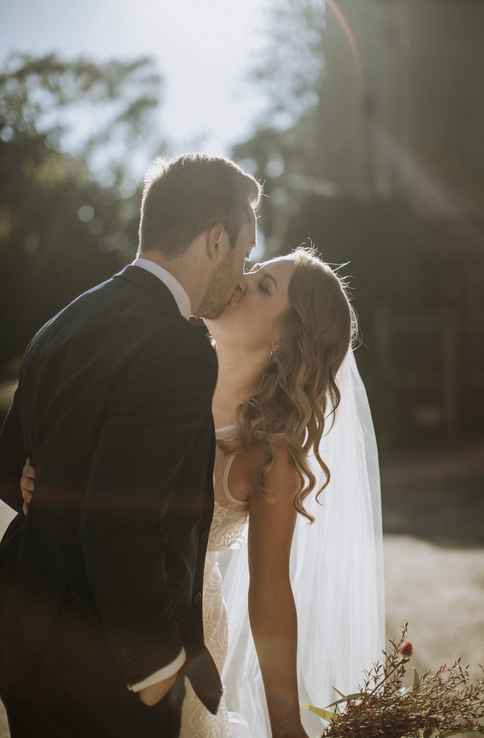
column 12, row 456
column 159, row 411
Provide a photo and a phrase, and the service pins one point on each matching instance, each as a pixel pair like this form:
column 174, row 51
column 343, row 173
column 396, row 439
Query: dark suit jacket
column 114, row 410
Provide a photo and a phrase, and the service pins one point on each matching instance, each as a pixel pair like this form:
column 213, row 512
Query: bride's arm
column 272, row 610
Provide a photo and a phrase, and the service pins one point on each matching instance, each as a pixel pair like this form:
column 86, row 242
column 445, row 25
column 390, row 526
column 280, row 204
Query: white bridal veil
column 336, row 573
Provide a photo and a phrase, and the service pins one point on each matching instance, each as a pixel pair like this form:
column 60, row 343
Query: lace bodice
column 229, row 524
column 227, row 529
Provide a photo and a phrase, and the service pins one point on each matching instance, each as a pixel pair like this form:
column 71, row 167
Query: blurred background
column 365, row 121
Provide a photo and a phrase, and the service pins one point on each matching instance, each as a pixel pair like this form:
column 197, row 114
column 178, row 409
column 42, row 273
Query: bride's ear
column 216, row 242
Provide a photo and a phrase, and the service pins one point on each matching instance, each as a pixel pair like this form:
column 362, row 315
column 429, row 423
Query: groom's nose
column 242, row 286
column 237, row 294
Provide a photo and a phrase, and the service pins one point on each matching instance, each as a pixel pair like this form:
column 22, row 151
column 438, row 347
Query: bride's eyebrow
column 257, row 267
column 270, row 276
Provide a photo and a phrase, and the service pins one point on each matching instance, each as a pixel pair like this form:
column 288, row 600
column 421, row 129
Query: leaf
column 321, row 712
column 348, row 698
column 416, row 680
column 341, row 694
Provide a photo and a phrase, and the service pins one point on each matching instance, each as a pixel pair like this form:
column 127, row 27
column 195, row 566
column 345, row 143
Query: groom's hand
column 27, row 485
column 150, row 696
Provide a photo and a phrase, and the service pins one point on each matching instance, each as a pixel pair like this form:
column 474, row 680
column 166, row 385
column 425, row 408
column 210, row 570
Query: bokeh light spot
column 85, row 213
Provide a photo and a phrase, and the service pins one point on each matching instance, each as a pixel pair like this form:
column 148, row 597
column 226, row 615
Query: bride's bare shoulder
column 280, row 477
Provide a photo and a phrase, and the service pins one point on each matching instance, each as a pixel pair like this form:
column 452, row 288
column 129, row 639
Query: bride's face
column 251, row 320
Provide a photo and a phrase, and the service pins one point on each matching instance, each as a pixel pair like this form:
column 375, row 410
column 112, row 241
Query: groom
column 101, row 603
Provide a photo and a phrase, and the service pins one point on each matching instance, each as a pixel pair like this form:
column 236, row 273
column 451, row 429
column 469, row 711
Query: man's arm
column 158, row 410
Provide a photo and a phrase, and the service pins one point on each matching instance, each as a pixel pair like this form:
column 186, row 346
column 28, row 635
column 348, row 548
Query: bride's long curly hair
column 296, row 396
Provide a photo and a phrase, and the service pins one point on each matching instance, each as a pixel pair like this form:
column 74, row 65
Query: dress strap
column 225, row 483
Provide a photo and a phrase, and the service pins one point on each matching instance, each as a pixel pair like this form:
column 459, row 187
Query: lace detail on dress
column 197, row 721
column 227, row 529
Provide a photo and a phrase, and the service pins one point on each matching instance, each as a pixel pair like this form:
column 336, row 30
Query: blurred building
column 402, row 118
column 400, row 108
column 387, row 171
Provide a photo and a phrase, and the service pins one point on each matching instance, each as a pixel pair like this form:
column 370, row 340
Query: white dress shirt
column 184, row 306
column 176, row 289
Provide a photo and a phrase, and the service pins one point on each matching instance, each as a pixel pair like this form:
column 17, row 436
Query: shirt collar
column 177, row 290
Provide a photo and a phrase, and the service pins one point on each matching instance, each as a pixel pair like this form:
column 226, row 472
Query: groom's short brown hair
column 183, row 197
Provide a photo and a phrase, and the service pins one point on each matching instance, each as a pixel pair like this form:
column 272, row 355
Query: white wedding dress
column 229, row 521
column 336, row 578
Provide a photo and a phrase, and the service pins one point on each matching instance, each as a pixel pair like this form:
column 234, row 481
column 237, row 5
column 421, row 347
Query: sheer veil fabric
column 336, row 573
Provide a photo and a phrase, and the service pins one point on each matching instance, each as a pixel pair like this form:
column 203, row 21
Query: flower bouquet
column 437, row 704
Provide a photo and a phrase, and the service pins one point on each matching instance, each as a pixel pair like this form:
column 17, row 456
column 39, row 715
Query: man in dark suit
column 101, row 610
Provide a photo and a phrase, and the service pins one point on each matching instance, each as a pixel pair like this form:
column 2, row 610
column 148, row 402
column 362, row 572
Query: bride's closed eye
column 264, row 286
column 267, row 283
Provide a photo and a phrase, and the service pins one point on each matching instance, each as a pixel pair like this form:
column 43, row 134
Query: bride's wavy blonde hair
column 296, row 393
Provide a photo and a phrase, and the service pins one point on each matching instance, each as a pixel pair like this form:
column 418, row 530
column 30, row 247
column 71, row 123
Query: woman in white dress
column 291, row 607
column 280, row 344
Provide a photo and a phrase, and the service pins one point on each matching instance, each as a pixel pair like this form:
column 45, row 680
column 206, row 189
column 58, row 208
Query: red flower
column 406, row 649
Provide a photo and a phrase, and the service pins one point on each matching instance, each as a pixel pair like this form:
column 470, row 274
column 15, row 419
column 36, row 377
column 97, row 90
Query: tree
column 62, row 229
column 100, row 110
column 291, row 62
column 344, row 163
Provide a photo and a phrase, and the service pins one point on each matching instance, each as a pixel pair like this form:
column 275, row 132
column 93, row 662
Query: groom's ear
column 216, row 242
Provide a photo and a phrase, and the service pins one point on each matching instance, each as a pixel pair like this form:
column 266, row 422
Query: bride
column 293, row 589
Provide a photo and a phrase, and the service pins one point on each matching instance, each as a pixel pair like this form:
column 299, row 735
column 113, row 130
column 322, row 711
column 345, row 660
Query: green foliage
column 102, row 104
column 321, row 712
column 440, row 703
column 291, row 63
column 62, row 229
